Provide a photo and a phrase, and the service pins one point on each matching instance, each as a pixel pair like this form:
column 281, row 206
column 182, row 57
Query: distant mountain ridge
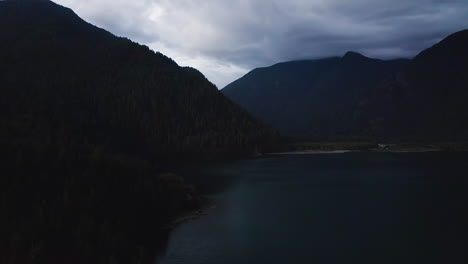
column 355, row 97
column 312, row 98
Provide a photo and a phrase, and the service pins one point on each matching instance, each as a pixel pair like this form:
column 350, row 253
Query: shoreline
column 305, row 152
column 318, row 152
column 306, row 148
column 190, row 215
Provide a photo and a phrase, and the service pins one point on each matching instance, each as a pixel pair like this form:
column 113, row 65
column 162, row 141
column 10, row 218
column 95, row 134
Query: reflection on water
column 343, row 208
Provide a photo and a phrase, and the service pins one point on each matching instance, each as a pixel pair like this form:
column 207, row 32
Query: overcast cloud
column 225, row 39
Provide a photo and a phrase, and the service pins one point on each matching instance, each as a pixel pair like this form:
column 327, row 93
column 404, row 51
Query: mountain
column 314, row 99
column 422, row 99
column 82, row 80
column 89, row 124
column 427, row 99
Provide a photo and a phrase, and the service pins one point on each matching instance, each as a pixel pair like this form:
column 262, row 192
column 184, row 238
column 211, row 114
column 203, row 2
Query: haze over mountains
column 355, row 97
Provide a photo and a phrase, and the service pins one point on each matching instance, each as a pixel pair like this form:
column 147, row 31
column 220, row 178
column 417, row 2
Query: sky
column 225, row 39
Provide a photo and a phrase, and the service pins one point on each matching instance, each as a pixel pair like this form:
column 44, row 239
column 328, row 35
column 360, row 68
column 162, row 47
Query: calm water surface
column 337, row 208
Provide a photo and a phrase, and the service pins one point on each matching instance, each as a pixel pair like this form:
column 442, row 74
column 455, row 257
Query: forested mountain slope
column 88, row 124
column 63, row 80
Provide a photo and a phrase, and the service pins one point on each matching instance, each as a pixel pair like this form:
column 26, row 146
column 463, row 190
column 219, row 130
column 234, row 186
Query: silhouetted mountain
column 357, row 97
column 110, row 91
column 427, row 99
column 316, row 99
column 87, row 123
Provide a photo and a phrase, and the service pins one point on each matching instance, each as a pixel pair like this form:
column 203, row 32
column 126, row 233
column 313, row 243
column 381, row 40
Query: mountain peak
column 353, row 55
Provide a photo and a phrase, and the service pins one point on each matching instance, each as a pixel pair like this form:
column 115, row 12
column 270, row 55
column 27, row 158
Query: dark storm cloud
column 226, row 38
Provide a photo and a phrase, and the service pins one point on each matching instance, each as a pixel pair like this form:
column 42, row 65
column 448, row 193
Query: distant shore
column 346, row 147
column 310, row 152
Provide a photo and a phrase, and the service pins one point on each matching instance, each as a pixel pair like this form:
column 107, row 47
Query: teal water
column 336, row 208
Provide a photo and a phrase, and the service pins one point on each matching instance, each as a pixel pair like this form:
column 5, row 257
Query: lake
column 358, row 207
